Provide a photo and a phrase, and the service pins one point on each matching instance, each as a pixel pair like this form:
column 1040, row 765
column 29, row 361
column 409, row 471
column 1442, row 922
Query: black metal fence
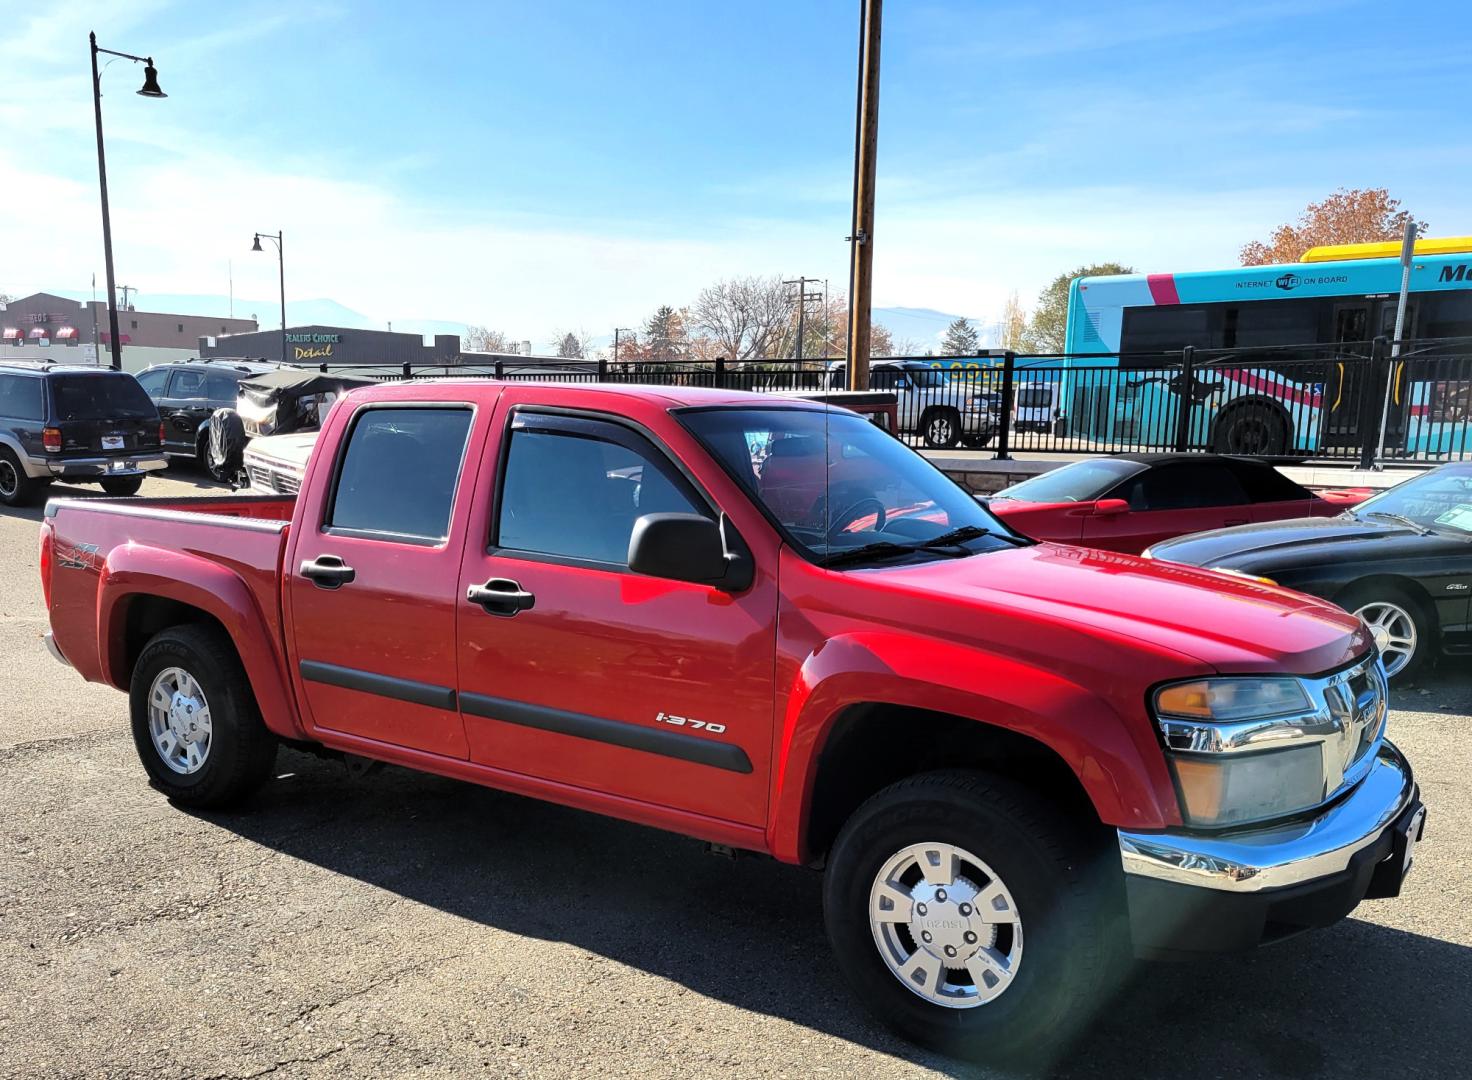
column 1353, row 401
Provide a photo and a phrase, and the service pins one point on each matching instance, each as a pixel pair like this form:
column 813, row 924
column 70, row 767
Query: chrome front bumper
column 1283, row 855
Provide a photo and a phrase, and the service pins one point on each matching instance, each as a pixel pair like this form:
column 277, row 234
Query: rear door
column 101, row 414
column 372, row 577
column 593, row 675
column 1168, row 501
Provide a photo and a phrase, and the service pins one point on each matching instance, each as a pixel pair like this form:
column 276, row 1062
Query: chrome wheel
column 946, row 925
column 9, row 479
column 1394, row 631
column 179, row 721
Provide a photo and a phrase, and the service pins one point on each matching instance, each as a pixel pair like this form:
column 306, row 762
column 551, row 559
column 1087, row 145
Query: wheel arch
column 1369, row 583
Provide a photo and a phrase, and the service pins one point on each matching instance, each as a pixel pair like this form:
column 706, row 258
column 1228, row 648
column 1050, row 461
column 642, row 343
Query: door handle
column 500, row 596
column 327, row 571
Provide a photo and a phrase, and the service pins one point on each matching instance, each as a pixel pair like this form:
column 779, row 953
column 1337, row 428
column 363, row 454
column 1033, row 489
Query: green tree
column 1046, row 329
column 961, row 339
column 664, row 335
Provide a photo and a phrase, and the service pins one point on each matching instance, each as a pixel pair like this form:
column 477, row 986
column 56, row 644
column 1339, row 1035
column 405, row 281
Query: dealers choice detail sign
column 313, row 346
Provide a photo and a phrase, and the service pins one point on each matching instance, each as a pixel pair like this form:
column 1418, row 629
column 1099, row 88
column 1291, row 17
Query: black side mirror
column 689, row 547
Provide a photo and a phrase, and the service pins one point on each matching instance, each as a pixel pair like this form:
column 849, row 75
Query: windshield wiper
column 962, row 534
column 948, row 543
column 1399, row 519
column 877, row 550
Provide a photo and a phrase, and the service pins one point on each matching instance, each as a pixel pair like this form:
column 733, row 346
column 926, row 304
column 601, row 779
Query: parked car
column 187, row 392
column 76, row 423
column 1037, row 406
column 1401, row 561
column 943, row 410
column 1130, row 501
column 601, row 596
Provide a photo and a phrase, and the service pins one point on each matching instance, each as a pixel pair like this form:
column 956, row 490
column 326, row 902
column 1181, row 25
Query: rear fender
column 1128, row 784
column 133, row 572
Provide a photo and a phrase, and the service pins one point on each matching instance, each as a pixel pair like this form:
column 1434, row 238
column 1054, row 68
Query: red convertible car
column 1128, row 502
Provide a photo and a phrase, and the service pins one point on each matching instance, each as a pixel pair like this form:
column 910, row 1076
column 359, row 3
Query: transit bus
column 1284, row 354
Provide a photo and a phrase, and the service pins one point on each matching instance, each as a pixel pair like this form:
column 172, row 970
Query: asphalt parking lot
column 407, row 925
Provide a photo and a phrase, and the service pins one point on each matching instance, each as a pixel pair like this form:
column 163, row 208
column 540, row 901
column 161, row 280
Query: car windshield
column 844, row 491
column 100, row 397
column 1440, row 500
column 1083, row 481
column 1039, row 397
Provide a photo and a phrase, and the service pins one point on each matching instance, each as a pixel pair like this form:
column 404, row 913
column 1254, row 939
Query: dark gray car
column 82, row 424
column 188, row 392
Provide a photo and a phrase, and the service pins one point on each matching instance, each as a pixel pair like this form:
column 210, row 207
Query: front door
column 185, row 406
column 371, row 582
column 575, row 669
column 1348, row 377
column 1168, row 501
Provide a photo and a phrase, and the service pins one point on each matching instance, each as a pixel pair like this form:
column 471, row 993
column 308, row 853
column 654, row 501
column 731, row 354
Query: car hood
column 293, row 449
column 1294, row 542
column 1228, row 622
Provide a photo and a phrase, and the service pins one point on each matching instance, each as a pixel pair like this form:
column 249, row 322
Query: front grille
column 1356, row 701
column 265, row 478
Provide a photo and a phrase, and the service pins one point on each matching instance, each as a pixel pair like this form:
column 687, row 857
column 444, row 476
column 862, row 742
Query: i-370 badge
column 693, row 725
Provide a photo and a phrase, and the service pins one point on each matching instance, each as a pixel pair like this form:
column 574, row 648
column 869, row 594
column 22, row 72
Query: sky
column 575, row 163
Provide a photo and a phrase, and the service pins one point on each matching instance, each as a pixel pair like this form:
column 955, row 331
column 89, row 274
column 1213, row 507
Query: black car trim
column 371, row 682
column 718, row 755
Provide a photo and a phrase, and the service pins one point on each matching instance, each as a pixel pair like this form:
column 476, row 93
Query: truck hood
column 1227, row 622
column 292, row 450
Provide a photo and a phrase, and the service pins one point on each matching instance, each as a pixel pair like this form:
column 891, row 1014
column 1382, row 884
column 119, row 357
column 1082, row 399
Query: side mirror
column 1111, row 507
column 688, row 547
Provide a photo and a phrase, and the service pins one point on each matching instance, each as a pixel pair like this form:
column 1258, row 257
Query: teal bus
column 1283, row 352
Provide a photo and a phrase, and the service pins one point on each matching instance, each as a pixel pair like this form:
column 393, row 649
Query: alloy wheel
column 1394, row 631
column 946, row 926
column 179, row 721
column 9, row 479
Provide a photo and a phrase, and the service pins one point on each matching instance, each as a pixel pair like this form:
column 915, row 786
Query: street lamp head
column 257, row 245
column 150, row 81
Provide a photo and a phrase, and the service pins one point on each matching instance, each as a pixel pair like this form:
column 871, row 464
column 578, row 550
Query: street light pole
column 275, row 238
column 150, row 89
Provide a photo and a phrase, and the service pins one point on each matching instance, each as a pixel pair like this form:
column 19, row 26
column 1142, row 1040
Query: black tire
column 1372, row 598
column 241, row 750
column 1253, row 429
column 941, row 428
column 1065, row 899
column 16, row 488
column 122, row 485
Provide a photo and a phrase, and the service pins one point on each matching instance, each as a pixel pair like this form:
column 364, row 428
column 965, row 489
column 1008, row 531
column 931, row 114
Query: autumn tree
column 961, row 339
column 1047, row 327
column 1349, row 216
column 484, row 339
column 748, row 318
column 664, row 336
column 1014, row 323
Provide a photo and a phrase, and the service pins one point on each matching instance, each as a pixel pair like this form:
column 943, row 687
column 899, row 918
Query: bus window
column 1165, row 329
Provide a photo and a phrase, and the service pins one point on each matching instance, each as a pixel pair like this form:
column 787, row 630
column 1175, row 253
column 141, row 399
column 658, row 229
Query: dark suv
column 187, row 393
column 74, row 423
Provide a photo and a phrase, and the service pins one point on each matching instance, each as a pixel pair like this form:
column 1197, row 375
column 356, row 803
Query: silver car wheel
column 939, row 431
column 179, row 721
column 1394, row 631
column 946, row 925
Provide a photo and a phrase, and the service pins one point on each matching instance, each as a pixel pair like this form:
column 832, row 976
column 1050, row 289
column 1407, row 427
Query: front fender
column 134, row 571
column 1119, row 767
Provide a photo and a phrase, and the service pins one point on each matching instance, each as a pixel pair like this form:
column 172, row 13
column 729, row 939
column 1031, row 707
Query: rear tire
column 195, row 722
column 1252, row 430
column 122, row 485
column 16, row 488
column 1042, row 882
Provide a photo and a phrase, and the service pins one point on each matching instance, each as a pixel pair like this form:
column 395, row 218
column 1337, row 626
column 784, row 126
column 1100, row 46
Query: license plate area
column 112, row 442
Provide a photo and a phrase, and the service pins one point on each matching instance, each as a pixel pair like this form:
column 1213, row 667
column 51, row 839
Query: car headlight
column 1241, row 750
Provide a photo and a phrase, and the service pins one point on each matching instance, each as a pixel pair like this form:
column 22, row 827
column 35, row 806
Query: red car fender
column 133, row 571
column 1127, row 784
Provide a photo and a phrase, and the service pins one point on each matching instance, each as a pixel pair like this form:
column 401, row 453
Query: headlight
column 1242, row 749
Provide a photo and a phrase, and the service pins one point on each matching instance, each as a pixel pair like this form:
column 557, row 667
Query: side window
column 575, row 493
column 220, row 387
column 21, row 398
column 399, row 473
column 187, row 385
column 153, row 382
column 1263, row 483
column 1181, row 487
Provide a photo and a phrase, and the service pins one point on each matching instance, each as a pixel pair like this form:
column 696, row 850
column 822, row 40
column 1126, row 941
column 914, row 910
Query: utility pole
column 861, row 242
column 803, row 296
column 125, row 290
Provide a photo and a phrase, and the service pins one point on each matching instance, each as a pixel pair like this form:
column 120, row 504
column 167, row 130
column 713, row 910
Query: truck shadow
column 1358, row 999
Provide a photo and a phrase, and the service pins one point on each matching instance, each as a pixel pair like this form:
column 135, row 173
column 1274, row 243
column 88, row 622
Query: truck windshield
column 843, row 491
column 100, row 397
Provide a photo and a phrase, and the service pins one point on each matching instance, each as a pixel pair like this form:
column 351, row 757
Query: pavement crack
column 383, row 980
column 15, row 750
column 281, row 1063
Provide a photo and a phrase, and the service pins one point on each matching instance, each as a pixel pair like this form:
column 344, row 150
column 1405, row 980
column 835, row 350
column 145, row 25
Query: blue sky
column 534, row 166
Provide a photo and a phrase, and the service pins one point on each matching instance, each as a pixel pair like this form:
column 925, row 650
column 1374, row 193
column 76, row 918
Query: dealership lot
column 402, row 924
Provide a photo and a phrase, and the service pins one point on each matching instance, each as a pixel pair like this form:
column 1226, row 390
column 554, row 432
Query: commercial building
column 336, row 347
column 44, row 326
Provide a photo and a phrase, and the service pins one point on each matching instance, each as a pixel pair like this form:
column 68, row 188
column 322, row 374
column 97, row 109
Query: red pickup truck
column 767, row 624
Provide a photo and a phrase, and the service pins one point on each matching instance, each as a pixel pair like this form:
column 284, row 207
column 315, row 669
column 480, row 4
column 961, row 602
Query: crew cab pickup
column 767, row 624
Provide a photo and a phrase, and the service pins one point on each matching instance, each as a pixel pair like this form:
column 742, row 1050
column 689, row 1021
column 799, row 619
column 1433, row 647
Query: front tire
column 932, row 889
column 1401, row 624
column 195, row 722
column 122, row 485
column 1253, row 430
